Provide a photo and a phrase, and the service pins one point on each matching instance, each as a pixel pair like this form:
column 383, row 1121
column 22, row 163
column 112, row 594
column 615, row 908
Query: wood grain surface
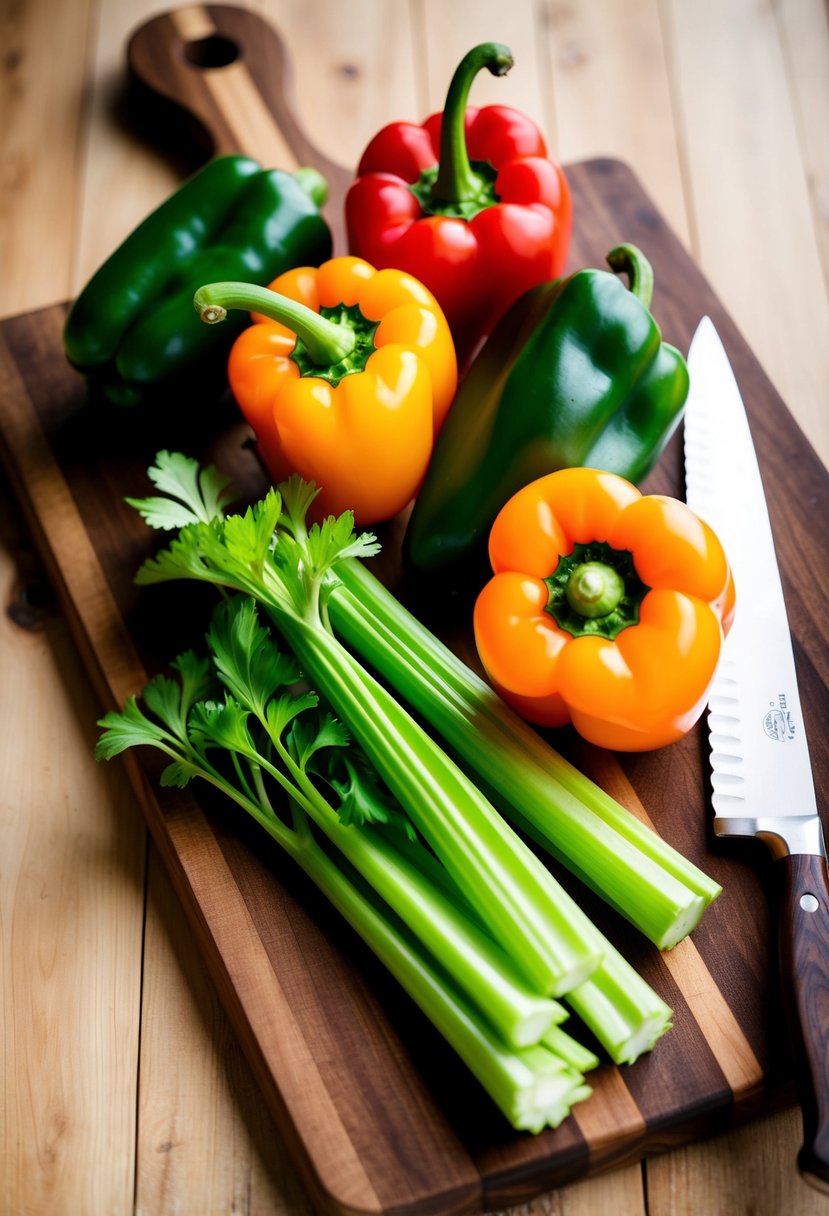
column 721, row 110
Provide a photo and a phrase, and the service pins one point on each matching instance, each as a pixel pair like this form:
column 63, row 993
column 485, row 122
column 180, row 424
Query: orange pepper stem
column 594, row 589
column 325, row 342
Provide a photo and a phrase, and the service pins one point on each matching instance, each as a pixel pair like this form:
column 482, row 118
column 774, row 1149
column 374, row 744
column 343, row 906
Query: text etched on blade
column 778, row 722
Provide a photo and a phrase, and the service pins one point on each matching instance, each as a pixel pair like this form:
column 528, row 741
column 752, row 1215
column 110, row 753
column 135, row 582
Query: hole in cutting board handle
column 214, row 51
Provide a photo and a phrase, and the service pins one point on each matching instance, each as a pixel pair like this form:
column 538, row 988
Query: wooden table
column 123, row 1086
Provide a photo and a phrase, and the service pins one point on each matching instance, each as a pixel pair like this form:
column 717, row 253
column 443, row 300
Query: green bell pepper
column 133, row 330
column 575, row 374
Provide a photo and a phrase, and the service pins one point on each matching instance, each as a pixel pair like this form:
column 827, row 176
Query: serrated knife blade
column 761, row 776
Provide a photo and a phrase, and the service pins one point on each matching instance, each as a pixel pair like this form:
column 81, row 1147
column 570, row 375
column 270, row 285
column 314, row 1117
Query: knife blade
column 761, row 777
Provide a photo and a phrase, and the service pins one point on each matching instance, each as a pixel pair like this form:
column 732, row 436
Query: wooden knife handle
column 228, row 70
column 804, row 970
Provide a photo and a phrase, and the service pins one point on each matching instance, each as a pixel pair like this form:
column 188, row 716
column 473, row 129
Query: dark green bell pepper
column 575, row 374
column 133, row 330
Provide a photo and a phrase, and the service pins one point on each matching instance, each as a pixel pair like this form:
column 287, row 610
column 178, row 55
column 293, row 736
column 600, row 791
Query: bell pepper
column 607, row 609
column 576, row 373
column 345, row 376
column 478, row 232
column 132, row 330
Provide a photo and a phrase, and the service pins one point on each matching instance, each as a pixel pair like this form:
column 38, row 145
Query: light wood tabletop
column 123, row 1087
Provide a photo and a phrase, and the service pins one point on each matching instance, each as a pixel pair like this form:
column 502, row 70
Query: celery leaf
column 171, row 700
column 297, row 497
column 245, row 656
column 128, row 727
column 221, row 724
column 310, row 735
column 193, row 495
column 282, row 710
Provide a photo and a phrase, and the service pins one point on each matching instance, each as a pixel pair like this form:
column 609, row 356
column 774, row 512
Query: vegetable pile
column 399, row 837
column 447, row 363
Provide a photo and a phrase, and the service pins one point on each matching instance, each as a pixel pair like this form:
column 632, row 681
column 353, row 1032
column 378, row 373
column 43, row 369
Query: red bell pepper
column 469, row 202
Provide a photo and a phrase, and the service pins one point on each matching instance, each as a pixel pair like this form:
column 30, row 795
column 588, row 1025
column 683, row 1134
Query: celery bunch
column 235, row 721
column 399, row 837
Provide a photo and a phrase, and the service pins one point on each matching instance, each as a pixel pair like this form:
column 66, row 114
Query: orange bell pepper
column 607, row 609
column 345, row 376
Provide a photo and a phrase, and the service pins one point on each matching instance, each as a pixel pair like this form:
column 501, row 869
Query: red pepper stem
column 627, row 259
column 325, row 343
column 457, row 181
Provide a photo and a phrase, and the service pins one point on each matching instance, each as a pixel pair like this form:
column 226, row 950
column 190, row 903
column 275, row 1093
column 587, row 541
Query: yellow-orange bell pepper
column 345, row 376
column 607, row 609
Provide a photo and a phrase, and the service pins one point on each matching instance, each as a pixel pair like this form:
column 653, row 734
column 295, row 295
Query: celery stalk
column 622, row 1010
column 579, row 1057
column 527, row 911
column 478, row 966
column 534, row 1088
column 626, row 863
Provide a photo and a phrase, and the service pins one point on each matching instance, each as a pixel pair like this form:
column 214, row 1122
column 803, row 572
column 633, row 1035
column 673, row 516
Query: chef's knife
column 761, row 775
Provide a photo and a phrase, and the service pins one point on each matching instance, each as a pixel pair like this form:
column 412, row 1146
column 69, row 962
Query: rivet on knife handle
column 804, row 972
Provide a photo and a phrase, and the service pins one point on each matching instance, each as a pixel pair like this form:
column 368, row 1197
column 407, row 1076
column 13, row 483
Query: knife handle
column 804, row 970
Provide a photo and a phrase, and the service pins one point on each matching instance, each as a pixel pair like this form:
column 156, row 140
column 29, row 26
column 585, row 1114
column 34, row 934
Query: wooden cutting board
column 379, row 1114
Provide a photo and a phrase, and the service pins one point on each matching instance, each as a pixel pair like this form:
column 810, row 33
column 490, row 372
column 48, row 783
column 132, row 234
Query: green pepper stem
column 325, row 342
column 627, row 259
column 313, row 183
column 457, row 181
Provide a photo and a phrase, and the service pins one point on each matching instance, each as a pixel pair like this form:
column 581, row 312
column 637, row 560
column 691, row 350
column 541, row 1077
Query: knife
column 760, row 772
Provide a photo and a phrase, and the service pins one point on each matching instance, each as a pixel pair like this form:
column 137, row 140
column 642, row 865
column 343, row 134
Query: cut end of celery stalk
column 549, row 1100
column 576, row 975
column 684, row 923
column 644, row 1039
column 536, row 1023
column 621, row 1009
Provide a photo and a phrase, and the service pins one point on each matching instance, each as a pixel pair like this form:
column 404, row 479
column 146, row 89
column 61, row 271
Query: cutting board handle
column 229, row 71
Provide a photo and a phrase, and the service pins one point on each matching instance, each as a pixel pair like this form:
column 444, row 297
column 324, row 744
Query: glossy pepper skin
column 469, row 202
column 132, row 330
column 576, row 373
column 607, row 609
column 348, row 387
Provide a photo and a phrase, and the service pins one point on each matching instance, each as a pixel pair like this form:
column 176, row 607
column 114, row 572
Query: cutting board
column 379, row 1114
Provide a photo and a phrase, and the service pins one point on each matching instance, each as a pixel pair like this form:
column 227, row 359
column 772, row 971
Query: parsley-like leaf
column 247, row 539
column 171, row 700
column 362, row 797
column 222, row 724
column 297, row 497
column 193, row 495
column 196, row 676
column 183, row 558
column 127, row 727
column 179, row 774
column 281, row 711
column 334, row 539
column 310, row 735
column 246, row 657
